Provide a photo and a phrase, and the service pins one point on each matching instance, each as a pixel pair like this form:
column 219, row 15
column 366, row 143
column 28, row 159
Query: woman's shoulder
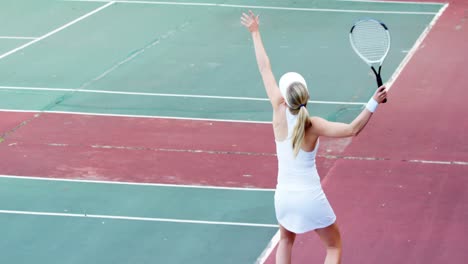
column 315, row 122
column 279, row 112
column 317, row 119
column 280, row 124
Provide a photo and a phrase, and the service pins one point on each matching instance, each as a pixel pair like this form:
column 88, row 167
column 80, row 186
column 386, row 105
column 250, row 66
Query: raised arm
column 322, row 127
column 251, row 22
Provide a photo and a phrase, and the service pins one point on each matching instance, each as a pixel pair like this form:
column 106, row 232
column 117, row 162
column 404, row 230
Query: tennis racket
column 370, row 40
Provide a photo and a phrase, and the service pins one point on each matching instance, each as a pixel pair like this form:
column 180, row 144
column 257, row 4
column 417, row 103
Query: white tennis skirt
column 300, row 211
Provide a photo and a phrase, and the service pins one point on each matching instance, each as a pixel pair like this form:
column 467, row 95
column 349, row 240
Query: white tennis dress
column 300, row 203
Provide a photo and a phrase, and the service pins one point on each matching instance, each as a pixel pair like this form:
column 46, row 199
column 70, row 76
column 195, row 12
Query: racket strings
column 371, row 40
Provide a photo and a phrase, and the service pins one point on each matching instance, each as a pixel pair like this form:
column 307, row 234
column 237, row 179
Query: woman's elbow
column 345, row 133
column 353, row 131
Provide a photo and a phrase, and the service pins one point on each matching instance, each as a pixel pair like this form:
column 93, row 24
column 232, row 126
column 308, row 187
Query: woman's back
column 295, row 172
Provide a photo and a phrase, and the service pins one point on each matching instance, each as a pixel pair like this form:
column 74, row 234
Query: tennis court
column 139, row 131
column 190, row 60
column 72, row 222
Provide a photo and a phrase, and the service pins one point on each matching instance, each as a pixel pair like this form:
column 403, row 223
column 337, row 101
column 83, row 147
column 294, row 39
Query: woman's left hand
column 381, row 94
column 250, row 21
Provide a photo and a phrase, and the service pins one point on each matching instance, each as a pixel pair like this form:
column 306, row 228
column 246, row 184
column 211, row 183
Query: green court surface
column 190, row 59
column 50, row 221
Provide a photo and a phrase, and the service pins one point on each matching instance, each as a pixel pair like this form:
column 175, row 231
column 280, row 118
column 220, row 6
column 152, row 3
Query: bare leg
column 283, row 253
column 330, row 235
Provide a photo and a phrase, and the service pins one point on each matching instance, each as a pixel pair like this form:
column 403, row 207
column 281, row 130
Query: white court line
column 138, row 116
column 437, row 162
column 392, row 2
column 164, row 94
column 463, row 163
column 264, row 7
column 269, row 248
column 131, row 218
column 136, row 183
column 55, row 31
column 13, row 37
column 415, row 47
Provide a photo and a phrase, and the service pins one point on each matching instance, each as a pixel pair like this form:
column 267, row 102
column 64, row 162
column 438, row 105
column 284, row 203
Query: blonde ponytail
column 303, row 122
column 297, row 98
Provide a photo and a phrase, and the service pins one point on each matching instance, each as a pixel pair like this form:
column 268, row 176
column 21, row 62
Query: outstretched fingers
column 250, row 21
column 253, row 16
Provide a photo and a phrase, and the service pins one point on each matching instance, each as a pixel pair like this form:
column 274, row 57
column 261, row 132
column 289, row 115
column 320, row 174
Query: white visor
column 285, row 82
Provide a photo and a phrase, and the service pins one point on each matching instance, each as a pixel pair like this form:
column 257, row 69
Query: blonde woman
column 300, row 202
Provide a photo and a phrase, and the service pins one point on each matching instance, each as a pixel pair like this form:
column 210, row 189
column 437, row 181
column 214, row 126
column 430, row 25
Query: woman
column 300, row 202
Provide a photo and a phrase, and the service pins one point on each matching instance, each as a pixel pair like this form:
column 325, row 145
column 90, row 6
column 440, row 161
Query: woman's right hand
column 381, row 94
column 250, row 21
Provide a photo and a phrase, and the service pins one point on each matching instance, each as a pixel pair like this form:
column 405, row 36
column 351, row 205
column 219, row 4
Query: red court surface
column 10, row 121
column 146, row 150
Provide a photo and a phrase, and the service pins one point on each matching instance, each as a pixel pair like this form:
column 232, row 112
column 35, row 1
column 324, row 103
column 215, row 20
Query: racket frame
column 372, row 63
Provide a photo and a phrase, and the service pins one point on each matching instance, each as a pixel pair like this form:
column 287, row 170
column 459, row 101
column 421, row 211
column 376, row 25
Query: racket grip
column 380, row 83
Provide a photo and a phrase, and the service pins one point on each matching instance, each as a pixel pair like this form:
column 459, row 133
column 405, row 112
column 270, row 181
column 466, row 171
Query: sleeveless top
column 296, row 173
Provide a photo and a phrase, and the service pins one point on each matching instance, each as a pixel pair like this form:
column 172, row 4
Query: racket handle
column 380, row 83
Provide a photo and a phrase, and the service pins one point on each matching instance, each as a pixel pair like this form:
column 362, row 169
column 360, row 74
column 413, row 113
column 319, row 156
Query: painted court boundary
column 136, row 116
column 163, row 94
column 136, row 183
column 261, row 259
column 15, row 37
column 269, row 248
column 415, row 47
column 263, row 7
column 220, row 152
column 132, row 218
column 55, row 31
column 392, row 2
